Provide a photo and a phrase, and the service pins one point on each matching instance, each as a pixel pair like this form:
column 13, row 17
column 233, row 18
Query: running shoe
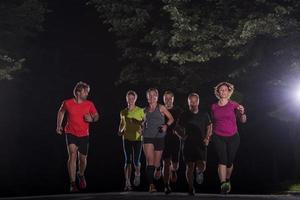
column 229, row 187
column 127, row 187
column 225, row 188
column 82, row 181
column 152, row 188
column 168, row 189
column 191, row 191
column 73, row 187
column 137, row 180
column 199, row 177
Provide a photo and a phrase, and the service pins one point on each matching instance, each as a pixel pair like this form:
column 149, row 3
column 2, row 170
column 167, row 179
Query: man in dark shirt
column 172, row 144
column 197, row 129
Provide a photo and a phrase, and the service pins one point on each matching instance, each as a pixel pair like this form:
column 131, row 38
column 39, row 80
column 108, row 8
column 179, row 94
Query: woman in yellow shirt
column 130, row 129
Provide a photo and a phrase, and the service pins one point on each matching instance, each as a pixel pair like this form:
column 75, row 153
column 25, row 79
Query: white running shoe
column 127, row 187
column 137, row 180
column 199, row 177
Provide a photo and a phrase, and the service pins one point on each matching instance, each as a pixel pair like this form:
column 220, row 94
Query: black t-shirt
column 175, row 112
column 195, row 125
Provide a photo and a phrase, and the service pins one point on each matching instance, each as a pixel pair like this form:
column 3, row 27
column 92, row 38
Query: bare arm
column 179, row 131
column 169, row 116
column 208, row 134
column 121, row 125
column 209, row 131
column 241, row 114
column 166, row 113
column 96, row 117
column 243, row 118
column 60, row 117
column 91, row 118
column 143, row 124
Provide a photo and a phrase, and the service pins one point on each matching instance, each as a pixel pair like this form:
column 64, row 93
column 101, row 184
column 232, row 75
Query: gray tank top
column 152, row 124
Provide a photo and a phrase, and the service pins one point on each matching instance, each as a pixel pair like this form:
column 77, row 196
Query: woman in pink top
column 226, row 138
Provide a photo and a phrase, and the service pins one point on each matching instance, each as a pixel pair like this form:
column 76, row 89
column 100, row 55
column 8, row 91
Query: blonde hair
column 169, row 92
column 229, row 86
column 79, row 87
column 152, row 90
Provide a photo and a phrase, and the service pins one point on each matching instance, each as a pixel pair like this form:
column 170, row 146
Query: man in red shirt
column 80, row 113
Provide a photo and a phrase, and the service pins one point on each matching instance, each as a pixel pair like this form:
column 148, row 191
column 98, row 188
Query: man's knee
column 229, row 165
column 190, row 166
column 82, row 158
column 167, row 163
column 201, row 165
column 175, row 165
column 72, row 153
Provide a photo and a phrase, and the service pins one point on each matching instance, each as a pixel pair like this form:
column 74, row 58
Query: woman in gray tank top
column 154, row 131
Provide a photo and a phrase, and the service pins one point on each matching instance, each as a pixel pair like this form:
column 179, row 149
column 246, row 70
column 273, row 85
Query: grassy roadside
column 290, row 187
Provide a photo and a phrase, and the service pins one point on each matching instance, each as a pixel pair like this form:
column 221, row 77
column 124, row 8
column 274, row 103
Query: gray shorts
column 158, row 143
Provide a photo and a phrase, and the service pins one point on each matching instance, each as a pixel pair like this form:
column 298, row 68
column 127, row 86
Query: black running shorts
column 81, row 142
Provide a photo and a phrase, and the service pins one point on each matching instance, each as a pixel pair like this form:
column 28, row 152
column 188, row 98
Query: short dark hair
column 194, row 94
column 79, row 87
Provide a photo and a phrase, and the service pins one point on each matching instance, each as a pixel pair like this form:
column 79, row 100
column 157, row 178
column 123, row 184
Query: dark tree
column 185, row 43
column 20, row 20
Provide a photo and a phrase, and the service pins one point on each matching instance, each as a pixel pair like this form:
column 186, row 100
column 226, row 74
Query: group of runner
column 161, row 132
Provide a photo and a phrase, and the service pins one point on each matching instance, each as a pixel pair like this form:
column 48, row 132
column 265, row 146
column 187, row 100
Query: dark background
column 77, row 46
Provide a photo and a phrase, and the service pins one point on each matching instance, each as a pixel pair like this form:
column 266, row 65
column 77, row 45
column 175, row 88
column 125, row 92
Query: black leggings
column 132, row 149
column 226, row 148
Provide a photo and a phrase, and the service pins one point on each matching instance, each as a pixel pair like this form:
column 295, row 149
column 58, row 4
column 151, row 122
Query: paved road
column 156, row 196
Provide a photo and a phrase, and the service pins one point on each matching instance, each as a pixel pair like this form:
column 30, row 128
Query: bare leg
column 157, row 163
column 72, row 151
column 222, row 172
column 229, row 172
column 82, row 164
column 200, row 166
column 189, row 173
column 166, row 171
column 174, row 168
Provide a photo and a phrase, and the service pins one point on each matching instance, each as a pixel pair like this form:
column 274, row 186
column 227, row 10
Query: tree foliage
column 20, row 20
column 185, row 43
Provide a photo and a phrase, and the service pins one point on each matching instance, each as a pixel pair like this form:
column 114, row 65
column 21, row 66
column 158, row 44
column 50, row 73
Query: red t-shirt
column 76, row 125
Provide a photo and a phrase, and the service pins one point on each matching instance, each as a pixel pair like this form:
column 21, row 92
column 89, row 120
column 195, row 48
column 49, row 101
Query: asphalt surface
column 154, row 196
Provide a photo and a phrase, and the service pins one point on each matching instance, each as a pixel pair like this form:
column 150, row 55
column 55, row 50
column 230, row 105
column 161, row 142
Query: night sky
column 76, row 46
